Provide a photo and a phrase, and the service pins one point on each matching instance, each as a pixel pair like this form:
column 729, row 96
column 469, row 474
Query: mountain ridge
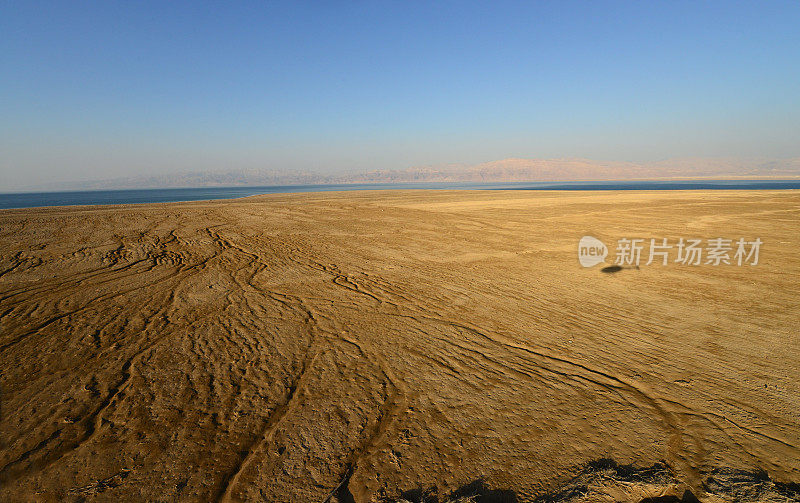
column 504, row 170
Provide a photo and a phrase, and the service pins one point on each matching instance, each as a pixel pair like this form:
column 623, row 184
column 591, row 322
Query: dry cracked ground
column 372, row 346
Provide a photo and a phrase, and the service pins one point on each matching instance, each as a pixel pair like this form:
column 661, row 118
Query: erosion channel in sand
column 366, row 345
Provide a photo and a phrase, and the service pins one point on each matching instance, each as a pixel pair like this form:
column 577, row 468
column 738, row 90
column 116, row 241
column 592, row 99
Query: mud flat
column 382, row 345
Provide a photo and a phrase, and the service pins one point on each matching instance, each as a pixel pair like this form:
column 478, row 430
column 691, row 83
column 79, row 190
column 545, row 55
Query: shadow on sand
column 601, row 479
column 474, row 492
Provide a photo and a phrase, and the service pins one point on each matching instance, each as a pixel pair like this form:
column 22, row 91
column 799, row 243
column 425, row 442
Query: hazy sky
column 106, row 89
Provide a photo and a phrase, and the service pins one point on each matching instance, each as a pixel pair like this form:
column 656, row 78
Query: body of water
column 132, row 196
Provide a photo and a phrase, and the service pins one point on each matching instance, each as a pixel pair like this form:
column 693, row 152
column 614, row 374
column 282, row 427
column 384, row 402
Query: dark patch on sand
column 475, row 492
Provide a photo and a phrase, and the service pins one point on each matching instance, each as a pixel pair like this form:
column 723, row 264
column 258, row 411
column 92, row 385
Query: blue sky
column 104, row 89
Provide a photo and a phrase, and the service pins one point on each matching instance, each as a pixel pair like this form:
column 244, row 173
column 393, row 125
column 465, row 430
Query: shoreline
column 159, row 196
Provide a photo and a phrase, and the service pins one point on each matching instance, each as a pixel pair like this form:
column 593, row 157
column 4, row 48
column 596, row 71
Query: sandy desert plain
column 387, row 345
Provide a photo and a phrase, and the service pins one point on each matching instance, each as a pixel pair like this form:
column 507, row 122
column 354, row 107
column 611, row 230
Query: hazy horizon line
column 510, row 169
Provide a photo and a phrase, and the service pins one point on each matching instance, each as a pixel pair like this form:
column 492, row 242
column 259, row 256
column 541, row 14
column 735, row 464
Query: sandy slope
column 328, row 346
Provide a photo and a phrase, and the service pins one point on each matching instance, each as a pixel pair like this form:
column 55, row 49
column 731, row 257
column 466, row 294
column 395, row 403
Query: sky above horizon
column 97, row 90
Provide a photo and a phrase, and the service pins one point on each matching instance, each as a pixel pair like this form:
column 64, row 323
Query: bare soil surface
column 373, row 346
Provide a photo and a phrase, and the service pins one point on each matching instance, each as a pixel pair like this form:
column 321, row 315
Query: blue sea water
column 72, row 198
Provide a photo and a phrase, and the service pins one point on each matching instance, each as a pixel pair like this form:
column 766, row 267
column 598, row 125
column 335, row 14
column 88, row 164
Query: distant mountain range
column 507, row 170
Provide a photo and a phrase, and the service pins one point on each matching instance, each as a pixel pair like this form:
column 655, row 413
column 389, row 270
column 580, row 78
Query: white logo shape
column 591, row 251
